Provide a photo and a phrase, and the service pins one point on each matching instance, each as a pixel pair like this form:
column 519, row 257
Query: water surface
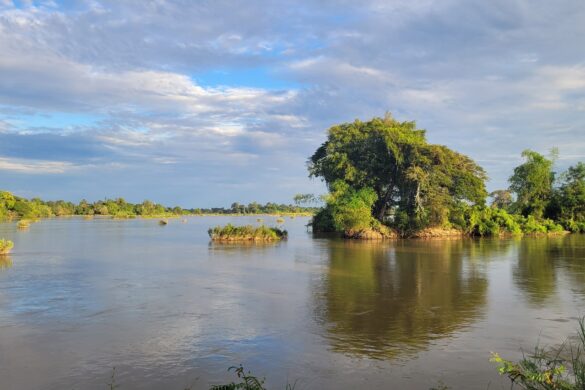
column 169, row 309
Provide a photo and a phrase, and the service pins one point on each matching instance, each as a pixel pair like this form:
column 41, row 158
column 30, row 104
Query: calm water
column 168, row 309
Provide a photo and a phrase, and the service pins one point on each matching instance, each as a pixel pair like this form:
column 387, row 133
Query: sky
column 203, row 103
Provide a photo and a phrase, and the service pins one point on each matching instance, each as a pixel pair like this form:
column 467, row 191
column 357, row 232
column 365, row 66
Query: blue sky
column 202, row 103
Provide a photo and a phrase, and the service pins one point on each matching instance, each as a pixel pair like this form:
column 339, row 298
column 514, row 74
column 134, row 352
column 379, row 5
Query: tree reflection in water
column 386, row 300
column 543, row 260
column 5, row 262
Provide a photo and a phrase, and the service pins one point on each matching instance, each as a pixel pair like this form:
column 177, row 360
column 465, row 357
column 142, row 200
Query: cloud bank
column 205, row 103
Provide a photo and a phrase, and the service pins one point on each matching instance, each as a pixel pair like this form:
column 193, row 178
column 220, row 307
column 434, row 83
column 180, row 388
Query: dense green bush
column 574, row 226
column 484, row 221
column 533, row 225
column 346, row 209
column 230, row 232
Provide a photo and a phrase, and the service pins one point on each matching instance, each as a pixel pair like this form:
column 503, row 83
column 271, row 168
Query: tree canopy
column 416, row 183
column 532, row 182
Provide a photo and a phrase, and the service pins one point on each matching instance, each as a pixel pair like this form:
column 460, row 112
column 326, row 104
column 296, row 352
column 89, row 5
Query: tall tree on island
column 416, row 183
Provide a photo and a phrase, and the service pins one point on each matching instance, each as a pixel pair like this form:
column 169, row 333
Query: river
column 168, row 309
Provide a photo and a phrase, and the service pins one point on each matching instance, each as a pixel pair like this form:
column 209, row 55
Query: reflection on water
column 386, row 301
column 5, row 262
column 542, row 259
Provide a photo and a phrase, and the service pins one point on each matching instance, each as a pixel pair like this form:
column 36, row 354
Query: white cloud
column 35, row 167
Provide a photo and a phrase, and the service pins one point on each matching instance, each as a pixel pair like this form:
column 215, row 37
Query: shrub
column 548, row 370
column 484, row 221
column 230, row 232
column 346, row 209
column 322, row 221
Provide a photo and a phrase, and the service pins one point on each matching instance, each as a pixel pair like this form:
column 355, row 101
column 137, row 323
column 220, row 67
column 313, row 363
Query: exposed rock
column 437, row 232
column 381, row 233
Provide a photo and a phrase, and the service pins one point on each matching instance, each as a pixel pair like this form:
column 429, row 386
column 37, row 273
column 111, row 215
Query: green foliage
column 548, row 370
column 15, row 207
column 300, row 199
column 351, row 209
column 230, row 232
column 485, row 221
column 246, row 381
column 532, row 182
column 322, row 221
column 5, row 246
column 533, row 225
column 414, row 181
column 501, row 199
column 347, row 209
column 568, row 203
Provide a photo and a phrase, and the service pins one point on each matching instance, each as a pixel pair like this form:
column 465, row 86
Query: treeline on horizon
column 384, row 176
column 15, row 207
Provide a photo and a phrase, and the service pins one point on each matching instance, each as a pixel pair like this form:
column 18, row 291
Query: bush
column 574, row 226
column 347, row 209
column 484, row 221
column 532, row 225
column 230, row 232
column 322, row 222
column 548, row 370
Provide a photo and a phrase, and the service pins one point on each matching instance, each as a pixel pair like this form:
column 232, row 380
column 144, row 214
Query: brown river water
column 168, row 309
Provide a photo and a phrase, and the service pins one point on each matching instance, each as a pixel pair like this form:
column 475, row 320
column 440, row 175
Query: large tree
column 417, row 182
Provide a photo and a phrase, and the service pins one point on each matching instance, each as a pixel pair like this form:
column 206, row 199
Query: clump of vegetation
column 561, row 369
column 385, row 171
column 350, row 211
column 301, row 207
column 23, row 224
column 280, row 220
column 388, row 165
column 163, row 222
column 230, row 232
column 485, row 221
column 5, row 246
column 246, row 381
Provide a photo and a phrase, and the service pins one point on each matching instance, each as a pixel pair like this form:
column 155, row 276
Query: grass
column 5, row 246
column 279, row 220
column 559, row 369
column 230, row 232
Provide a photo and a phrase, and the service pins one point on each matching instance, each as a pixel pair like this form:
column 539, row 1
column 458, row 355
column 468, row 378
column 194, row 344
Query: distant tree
column 532, row 182
column 501, row 199
column 304, row 199
column 569, row 200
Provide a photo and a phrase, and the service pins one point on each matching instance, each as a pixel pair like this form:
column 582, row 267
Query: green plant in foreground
column 563, row 369
column 5, row 246
column 246, row 381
